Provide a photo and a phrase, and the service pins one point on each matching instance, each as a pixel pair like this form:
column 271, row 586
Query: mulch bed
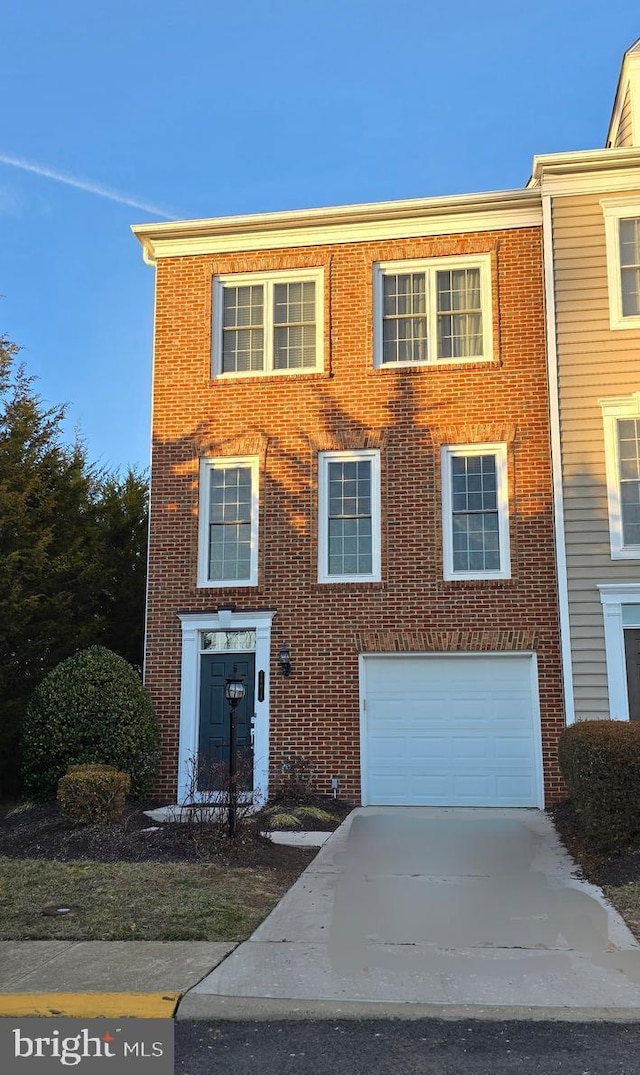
column 615, row 869
column 40, row 833
column 336, row 807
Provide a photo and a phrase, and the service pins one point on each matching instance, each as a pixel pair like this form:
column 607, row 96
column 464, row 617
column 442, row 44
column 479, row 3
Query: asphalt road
column 399, row 1047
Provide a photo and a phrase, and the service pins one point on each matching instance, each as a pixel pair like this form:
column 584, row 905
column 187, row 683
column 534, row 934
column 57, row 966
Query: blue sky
column 202, row 108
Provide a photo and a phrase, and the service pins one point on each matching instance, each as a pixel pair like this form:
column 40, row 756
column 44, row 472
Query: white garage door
column 459, row 730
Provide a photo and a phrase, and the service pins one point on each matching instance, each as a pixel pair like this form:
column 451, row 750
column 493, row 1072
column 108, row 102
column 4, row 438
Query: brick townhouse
column 351, row 501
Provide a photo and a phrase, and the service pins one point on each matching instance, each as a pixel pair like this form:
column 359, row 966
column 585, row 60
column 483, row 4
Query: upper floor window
column 629, row 231
column 475, row 508
column 267, row 323
column 622, row 230
column 622, row 454
column 432, row 311
column 349, row 516
column 228, row 532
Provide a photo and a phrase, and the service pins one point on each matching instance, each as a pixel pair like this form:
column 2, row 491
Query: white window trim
column 267, row 280
column 324, row 458
column 206, row 465
column 502, row 483
column 615, row 210
column 614, row 408
column 430, row 266
column 613, row 596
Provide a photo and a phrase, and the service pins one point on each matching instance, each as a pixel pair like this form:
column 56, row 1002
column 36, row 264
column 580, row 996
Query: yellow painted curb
column 90, row 1005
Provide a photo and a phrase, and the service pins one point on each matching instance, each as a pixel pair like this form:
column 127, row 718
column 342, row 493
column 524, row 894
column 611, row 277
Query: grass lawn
column 149, row 901
column 626, row 900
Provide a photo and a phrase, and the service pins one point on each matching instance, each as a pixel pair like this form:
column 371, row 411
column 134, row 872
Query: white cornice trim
column 343, row 224
column 589, row 172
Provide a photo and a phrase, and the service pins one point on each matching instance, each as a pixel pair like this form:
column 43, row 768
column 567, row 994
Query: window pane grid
column 475, row 516
column 459, row 310
column 268, row 326
column 294, row 319
column 629, row 474
column 630, row 242
column 404, row 324
column 629, row 234
column 349, row 524
column 242, row 331
column 229, row 532
column 431, row 315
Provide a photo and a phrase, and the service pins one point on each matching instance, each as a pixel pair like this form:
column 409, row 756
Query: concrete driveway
column 433, row 907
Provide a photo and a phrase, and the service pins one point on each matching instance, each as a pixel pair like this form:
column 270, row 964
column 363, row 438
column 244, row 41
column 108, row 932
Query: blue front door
column 213, row 739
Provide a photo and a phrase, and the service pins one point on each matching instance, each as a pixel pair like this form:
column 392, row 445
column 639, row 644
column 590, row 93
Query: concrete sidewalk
column 106, row 978
column 112, row 978
column 428, row 910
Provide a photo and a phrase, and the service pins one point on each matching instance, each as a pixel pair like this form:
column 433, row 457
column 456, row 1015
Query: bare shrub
column 297, row 778
column 208, row 797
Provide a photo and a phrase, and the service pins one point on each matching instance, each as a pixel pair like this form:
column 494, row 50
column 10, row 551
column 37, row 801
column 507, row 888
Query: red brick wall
column 409, row 413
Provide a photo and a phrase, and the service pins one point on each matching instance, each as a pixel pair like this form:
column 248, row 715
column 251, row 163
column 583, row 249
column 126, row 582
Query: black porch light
column 284, row 659
column 234, row 692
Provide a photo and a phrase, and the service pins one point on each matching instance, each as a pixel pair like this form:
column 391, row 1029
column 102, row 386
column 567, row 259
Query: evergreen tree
column 122, row 527
column 72, row 552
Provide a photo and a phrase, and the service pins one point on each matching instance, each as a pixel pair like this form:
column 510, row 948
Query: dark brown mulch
column 336, row 807
column 40, row 833
column 615, row 868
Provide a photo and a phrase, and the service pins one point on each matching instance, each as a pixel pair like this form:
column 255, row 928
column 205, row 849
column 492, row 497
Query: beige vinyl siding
column 593, row 362
column 624, row 134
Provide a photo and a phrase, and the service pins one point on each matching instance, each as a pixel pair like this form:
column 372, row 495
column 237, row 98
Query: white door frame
column 193, row 624
column 535, row 705
column 613, row 596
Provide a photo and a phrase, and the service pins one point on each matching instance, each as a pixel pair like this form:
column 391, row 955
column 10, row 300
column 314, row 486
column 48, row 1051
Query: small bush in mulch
column 88, row 794
column 600, row 765
column 317, row 813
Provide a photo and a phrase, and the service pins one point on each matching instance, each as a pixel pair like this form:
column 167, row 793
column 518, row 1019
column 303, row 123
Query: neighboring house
column 591, row 211
column 351, row 456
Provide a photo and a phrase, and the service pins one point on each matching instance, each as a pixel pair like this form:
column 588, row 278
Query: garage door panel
column 384, row 751
column 450, row 731
column 465, row 748
column 515, row 749
column 472, row 786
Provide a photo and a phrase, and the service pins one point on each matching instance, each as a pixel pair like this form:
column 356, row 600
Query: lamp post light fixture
column 234, row 692
column 284, row 659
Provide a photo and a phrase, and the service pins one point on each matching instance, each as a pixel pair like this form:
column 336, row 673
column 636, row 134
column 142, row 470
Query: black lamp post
column 234, row 691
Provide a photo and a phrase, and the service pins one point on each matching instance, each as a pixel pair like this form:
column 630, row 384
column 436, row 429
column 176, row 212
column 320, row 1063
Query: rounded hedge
column 600, row 765
column 90, row 708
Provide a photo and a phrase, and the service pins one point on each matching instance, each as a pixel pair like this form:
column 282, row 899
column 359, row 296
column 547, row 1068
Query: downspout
column 556, row 459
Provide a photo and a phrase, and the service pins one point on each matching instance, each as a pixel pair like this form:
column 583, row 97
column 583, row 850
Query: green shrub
column 600, row 764
column 91, row 708
column 91, row 793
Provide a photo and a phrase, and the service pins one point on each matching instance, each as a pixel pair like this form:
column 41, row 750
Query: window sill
column 228, row 584
column 320, row 585
column 616, row 323
column 272, row 375
column 442, row 364
column 631, row 552
column 455, row 580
